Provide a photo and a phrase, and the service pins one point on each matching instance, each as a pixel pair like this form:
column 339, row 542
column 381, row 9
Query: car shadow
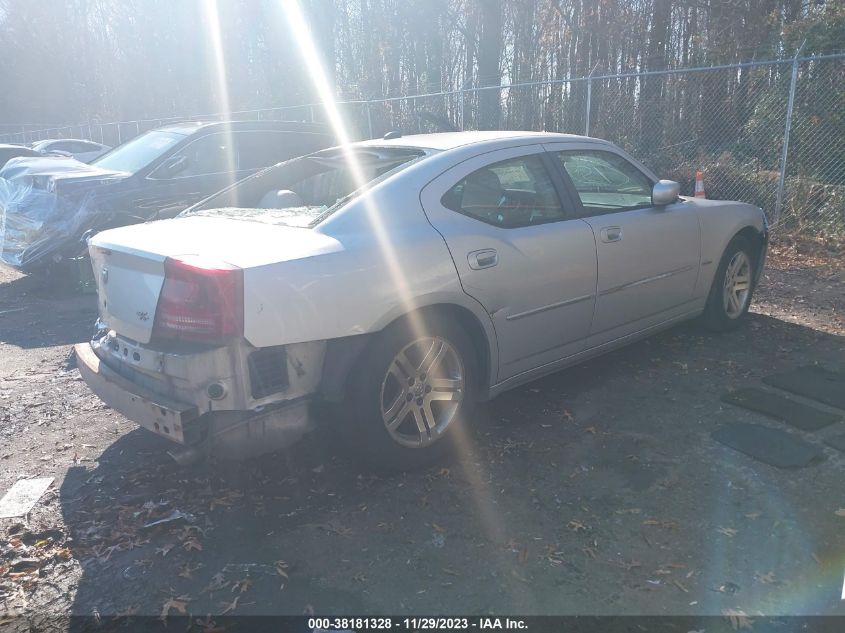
column 307, row 530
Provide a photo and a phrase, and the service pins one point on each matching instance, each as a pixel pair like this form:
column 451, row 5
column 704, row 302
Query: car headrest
column 482, row 189
column 280, row 199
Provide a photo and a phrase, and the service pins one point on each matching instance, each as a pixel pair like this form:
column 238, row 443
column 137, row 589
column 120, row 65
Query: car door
column 519, row 251
column 648, row 257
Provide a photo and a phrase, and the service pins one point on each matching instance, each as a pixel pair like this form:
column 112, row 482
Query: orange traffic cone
column 699, row 185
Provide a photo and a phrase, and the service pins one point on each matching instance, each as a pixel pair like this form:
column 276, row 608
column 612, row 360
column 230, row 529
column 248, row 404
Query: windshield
column 304, row 191
column 139, row 152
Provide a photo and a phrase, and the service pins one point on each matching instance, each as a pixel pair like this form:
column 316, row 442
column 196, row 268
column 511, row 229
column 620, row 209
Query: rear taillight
column 199, row 301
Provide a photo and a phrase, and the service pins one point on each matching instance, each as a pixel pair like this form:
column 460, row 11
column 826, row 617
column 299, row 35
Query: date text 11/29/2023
column 339, row 624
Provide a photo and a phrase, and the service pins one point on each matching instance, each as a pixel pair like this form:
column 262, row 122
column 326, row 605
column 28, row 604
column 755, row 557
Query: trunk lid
column 129, row 262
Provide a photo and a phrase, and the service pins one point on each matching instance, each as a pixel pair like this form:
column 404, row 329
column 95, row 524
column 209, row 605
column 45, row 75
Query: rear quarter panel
column 390, row 262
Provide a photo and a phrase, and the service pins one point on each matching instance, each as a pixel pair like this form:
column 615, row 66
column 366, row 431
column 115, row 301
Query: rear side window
column 80, row 146
column 242, row 150
column 510, row 194
column 606, row 182
column 63, row 146
column 260, row 148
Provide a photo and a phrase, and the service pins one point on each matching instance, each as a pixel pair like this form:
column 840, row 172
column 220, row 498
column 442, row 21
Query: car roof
column 451, row 140
column 59, row 140
column 191, row 127
column 13, row 146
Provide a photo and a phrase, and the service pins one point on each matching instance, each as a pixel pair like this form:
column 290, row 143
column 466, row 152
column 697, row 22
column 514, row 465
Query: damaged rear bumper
column 234, row 434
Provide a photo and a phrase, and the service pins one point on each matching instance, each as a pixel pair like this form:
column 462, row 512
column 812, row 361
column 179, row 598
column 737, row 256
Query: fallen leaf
column 164, row 549
column 738, row 619
column 438, row 528
column 840, row 512
column 577, row 526
column 192, row 544
column 520, row 578
column 727, row 531
column 230, row 606
column 179, row 603
column 242, row 585
column 209, row 626
column 217, row 582
column 680, row 586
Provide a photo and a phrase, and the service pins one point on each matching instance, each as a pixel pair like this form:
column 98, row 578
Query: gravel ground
column 597, row 490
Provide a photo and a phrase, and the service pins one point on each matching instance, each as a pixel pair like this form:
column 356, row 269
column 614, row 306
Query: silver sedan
column 403, row 279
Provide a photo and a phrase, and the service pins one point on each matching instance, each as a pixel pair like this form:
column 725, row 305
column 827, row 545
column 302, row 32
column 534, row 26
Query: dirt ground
column 597, row 490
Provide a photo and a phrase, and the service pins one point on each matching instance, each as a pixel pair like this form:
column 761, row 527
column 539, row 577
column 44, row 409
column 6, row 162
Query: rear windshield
column 304, row 191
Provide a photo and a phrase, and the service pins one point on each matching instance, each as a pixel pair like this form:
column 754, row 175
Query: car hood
column 54, row 171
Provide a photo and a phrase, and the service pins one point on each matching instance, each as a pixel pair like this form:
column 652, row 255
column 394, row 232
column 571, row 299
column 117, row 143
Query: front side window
column 212, row 154
column 511, row 193
column 606, row 182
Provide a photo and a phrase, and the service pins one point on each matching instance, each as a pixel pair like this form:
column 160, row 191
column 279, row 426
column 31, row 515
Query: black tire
column 361, row 424
column 717, row 316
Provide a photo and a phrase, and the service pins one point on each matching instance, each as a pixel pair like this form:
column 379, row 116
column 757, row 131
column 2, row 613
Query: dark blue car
column 51, row 203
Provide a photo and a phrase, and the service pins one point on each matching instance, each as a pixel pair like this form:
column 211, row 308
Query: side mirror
column 665, row 192
column 172, row 166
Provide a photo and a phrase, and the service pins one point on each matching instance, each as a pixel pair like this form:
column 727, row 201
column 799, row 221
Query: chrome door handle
column 485, row 258
column 611, row 234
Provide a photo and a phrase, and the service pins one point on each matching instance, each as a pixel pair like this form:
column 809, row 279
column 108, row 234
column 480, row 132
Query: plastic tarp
column 40, row 215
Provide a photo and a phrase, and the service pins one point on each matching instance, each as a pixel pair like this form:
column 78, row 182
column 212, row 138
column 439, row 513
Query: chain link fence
column 771, row 133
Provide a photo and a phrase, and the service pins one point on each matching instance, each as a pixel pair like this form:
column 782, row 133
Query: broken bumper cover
column 160, row 415
column 230, row 434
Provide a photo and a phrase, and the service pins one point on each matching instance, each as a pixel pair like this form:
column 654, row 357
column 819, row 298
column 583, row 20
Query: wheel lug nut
column 428, row 389
column 419, row 401
column 410, row 382
column 422, row 376
column 409, row 397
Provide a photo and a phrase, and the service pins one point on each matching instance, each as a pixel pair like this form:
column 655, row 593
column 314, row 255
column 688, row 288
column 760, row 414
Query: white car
column 80, row 149
column 402, row 279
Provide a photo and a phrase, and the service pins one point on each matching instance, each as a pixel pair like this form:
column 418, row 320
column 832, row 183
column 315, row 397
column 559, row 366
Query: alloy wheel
column 737, row 287
column 422, row 391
